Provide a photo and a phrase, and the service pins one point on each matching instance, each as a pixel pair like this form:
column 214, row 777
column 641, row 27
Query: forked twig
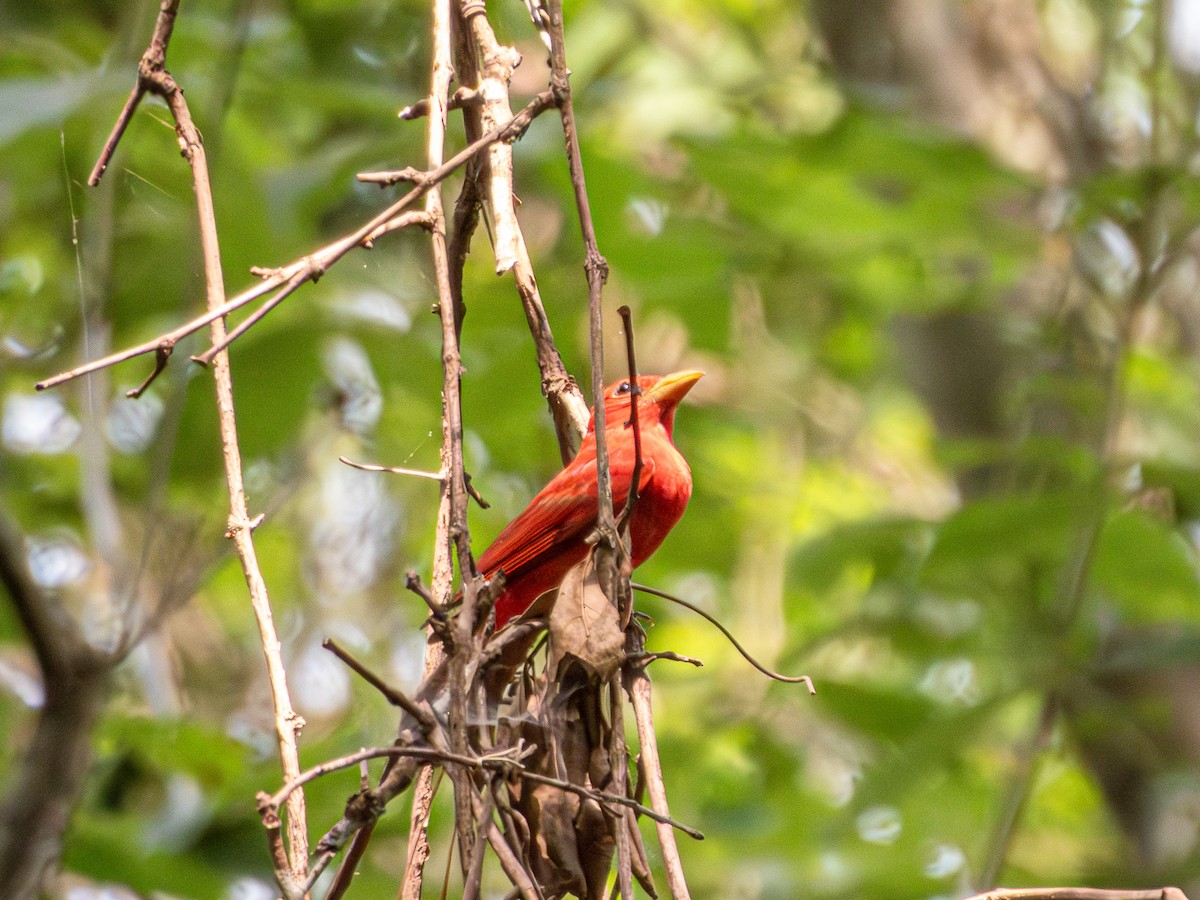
column 154, row 78
column 287, row 279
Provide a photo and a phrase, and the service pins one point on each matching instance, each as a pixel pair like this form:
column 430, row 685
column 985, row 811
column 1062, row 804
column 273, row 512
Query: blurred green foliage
column 945, row 455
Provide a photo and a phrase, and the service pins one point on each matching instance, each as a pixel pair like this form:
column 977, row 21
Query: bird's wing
column 562, row 512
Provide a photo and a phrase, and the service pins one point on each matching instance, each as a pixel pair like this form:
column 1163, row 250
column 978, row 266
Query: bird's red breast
column 537, row 548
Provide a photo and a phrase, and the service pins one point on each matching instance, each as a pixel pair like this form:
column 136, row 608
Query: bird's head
column 660, row 394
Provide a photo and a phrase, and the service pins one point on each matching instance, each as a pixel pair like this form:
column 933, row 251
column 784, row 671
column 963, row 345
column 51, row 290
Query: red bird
column 539, row 546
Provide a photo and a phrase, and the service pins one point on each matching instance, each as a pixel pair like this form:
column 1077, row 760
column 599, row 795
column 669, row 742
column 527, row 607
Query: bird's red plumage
column 539, row 546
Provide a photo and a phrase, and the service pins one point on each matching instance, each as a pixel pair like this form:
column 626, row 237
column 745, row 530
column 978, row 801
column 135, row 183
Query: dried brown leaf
column 585, row 625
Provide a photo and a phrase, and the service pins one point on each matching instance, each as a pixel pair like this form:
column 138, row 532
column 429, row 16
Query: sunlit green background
column 940, row 263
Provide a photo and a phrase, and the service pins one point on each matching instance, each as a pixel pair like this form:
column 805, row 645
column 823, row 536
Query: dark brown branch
column 635, row 392
column 397, row 698
column 595, row 266
column 162, row 354
column 619, row 764
column 274, row 801
column 37, row 808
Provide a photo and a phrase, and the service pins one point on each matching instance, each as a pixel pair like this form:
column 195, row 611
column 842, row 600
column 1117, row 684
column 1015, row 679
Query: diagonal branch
column 595, row 266
column 287, row 279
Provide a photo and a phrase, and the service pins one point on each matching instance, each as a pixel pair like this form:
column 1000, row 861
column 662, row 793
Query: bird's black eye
column 623, row 388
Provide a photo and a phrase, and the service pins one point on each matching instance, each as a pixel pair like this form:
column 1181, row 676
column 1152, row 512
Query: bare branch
column 153, row 78
column 152, row 61
column 595, row 266
column 637, row 684
column 422, row 714
column 484, row 61
column 311, row 267
column 635, row 391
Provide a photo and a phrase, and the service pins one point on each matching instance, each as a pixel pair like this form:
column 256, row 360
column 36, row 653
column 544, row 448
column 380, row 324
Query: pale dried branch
column 637, row 684
column 461, row 98
column 483, row 61
column 153, row 78
column 394, row 470
column 494, row 65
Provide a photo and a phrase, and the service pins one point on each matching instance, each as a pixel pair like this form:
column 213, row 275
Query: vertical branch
column 38, row 802
column 635, row 426
column 449, row 305
column 488, row 65
column 595, row 266
column 288, row 722
column 453, row 535
column 638, row 685
column 618, row 757
column 153, row 78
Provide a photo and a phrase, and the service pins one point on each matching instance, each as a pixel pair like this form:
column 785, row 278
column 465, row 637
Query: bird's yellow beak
column 670, row 389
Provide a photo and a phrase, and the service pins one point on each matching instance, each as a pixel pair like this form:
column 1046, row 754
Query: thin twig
column 662, row 818
column 712, row 620
column 397, row 698
column 273, row 801
column 395, row 470
column 635, row 392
